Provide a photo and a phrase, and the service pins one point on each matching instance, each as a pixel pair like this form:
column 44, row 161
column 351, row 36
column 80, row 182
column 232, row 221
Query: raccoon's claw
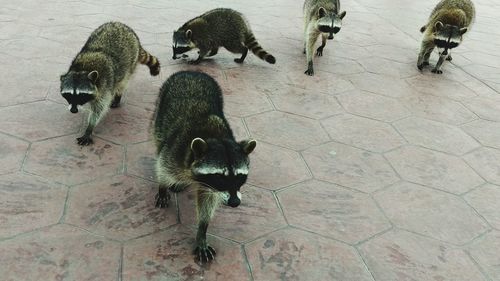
column 204, row 255
column 319, row 52
column 84, row 140
column 162, row 200
column 309, row 72
column 437, row 71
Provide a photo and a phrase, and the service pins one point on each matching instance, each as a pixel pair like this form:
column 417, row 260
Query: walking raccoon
column 218, row 28
column 449, row 20
column 196, row 147
column 320, row 17
column 99, row 73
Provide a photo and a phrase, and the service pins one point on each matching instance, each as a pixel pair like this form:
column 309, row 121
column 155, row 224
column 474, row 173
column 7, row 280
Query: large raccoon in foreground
column 196, row 147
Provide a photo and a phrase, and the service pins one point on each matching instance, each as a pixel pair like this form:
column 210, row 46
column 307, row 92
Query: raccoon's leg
column 207, row 203
column 97, row 111
column 319, row 51
column 238, row 49
column 163, row 197
column 425, row 52
column 213, row 52
column 120, row 87
column 437, row 68
column 201, row 54
column 311, row 39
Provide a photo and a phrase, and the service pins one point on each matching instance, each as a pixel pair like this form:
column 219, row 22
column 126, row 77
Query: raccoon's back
column 116, row 40
column 465, row 5
column 186, row 98
column 223, row 25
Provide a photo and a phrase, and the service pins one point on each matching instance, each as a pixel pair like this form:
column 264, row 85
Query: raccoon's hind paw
column 205, row 254
column 238, row 60
column 422, row 65
column 84, row 140
column 437, row 71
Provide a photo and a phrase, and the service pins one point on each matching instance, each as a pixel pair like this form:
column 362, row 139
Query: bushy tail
column 252, row 44
column 149, row 60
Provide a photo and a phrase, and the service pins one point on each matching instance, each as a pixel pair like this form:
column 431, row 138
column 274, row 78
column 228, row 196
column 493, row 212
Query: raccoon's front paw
column 437, row 71
column 162, row 200
column 449, row 58
column 422, row 65
column 238, row 60
column 309, row 71
column 84, row 140
column 319, row 52
column 204, row 254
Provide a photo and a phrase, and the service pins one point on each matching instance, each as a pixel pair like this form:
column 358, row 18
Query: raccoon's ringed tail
column 149, row 60
column 252, row 44
column 423, row 28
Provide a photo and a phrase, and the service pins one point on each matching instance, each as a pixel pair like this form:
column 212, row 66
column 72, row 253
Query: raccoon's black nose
column 335, row 30
column 233, row 201
column 74, row 109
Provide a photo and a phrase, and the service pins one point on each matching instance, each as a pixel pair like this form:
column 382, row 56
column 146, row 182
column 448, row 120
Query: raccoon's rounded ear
column 199, row 147
column 438, row 25
column 463, row 30
column 93, row 76
column 189, row 33
column 248, row 146
column 342, row 15
column 321, row 12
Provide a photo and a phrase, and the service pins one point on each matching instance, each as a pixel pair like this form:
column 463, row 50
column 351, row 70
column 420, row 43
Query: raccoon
column 320, row 17
column 448, row 22
column 218, row 28
column 195, row 147
column 99, row 73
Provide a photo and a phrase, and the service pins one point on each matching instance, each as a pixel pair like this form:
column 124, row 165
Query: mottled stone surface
column 366, row 149
column 296, row 255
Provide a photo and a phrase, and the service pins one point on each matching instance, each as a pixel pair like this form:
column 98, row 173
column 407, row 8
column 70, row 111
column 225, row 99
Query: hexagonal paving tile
column 264, row 79
column 309, row 104
column 60, row 252
column 440, row 87
column 363, row 133
column 257, row 214
column 381, row 84
column 485, row 252
column 392, row 53
column 485, row 108
column 338, row 65
column 438, row 109
column 324, row 82
column 167, row 255
column 287, row 130
column 141, row 160
column 348, row 166
column 486, row 201
column 486, row 132
column 485, row 162
column 274, row 167
column 12, row 153
column 296, row 255
column 63, row 160
column 435, row 135
column 126, row 124
column 430, row 212
column 39, row 120
column 329, row 210
column 29, row 202
column 399, row 255
column 389, row 67
column 245, row 102
column 120, row 207
column 434, row 169
column 373, row 106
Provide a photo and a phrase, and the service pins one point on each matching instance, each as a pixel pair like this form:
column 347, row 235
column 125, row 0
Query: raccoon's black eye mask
column 80, row 99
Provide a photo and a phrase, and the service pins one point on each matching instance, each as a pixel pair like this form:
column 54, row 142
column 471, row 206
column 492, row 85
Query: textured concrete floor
column 369, row 170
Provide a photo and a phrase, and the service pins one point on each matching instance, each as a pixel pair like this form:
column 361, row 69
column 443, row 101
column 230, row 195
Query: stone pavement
column 369, row 170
